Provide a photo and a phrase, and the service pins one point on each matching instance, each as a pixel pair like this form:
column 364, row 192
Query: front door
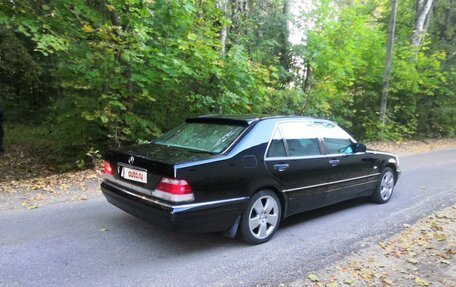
column 347, row 170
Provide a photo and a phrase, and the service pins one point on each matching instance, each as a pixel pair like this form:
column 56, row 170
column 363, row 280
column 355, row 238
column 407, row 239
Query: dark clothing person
column 1, row 130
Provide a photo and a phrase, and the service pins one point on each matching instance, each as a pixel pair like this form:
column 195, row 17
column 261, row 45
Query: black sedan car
column 243, row 174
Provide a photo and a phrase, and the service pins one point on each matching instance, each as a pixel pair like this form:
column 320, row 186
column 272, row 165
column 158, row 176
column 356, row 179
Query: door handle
column 281, row 166
column 334, row 162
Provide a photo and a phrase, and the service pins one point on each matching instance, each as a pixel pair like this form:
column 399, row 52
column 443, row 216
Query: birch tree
column 223, row 6
column 389, row 53
column 423, row 14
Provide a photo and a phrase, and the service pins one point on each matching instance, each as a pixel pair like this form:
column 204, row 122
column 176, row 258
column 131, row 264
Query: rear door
column 294, row 157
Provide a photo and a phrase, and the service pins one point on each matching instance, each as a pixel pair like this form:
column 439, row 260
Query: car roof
column 245, row 119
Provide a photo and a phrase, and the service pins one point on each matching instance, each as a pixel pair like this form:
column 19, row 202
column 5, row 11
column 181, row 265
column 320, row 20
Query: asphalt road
column 62, row 245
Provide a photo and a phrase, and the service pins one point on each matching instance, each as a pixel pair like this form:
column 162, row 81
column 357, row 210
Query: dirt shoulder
column 413, row 147
column 423, row 254
column 28, row 182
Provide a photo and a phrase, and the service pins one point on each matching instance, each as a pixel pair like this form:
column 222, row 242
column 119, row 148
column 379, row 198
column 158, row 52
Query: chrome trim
column 329, row 183
column 136, row 194
column 189, row 205
column 313, row 156
column 131, row 166
column 372, row 181
column 125, row 184
column 276, row 126
column 318, row 136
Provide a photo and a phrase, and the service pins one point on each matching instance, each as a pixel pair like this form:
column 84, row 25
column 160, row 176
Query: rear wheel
column 261, row 218
column 385, row 187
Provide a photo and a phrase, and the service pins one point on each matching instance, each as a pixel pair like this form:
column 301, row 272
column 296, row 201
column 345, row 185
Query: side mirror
column 359, row 147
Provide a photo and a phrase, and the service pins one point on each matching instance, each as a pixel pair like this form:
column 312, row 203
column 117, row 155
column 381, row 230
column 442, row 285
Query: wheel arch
column 394, row 168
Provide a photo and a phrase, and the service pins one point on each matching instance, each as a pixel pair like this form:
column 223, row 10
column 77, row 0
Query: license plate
column 134, row 174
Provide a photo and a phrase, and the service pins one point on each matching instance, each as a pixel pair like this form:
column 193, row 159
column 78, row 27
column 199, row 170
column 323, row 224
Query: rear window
column 205, row 137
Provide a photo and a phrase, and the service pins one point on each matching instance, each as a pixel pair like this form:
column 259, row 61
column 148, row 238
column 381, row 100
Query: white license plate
column 134, row 174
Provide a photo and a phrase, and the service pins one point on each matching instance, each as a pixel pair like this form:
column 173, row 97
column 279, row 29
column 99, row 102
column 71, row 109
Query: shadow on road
column 147, row 236
column 309, row 215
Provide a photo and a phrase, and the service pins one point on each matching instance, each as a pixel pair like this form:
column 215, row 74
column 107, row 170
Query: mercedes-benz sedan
column 242, row 175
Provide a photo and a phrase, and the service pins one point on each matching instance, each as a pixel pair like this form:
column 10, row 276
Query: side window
column 301, row 138
column 337, row 140
column 277, row 147
column 335, row 145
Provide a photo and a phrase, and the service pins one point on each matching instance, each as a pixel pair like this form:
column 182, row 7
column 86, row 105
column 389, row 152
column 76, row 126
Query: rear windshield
column 205, row 137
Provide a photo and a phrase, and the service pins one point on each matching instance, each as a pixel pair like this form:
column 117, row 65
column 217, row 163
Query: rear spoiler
column 220, row 121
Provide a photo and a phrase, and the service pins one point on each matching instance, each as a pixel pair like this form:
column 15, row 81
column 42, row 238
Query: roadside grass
column 33, row 172
column 25, row 135
column 39, row 144
column 29, row 153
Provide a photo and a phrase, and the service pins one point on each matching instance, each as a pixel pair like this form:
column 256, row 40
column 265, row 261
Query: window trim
column 285, row 144
column 277, row 127
column 327, row 150
column 320, row 139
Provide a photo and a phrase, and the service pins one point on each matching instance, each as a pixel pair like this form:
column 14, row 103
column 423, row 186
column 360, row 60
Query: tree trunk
column 308, row 78
column 223, row 6
column 284, row 56
column 388, row 60
column 423, row 11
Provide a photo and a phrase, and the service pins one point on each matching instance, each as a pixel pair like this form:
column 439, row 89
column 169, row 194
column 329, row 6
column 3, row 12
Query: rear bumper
column 211, row 216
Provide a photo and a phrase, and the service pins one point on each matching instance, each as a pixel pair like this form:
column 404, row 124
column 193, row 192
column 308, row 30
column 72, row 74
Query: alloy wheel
column 263, row 217
column 387, row 185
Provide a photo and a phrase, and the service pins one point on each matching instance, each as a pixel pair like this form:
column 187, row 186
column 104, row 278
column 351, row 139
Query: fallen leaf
column 421, row 282
column 348, row 281
column 439, row 236
column 104, row 229
column 313, row 278
column 388, row 281
column 440, row 215
column 413, row 261
column 444, row 261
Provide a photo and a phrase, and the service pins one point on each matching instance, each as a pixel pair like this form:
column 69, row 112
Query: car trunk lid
column 142, row 166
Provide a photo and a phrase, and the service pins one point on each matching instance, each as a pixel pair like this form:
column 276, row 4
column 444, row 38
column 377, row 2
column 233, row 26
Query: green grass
column 19, row 134
column 38, row 142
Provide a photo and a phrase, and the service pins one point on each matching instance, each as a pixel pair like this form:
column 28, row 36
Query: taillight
column 173, row 190
column 107, row 168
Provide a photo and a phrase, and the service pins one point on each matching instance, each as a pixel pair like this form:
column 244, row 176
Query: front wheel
column 385, row 187
column 261, row 218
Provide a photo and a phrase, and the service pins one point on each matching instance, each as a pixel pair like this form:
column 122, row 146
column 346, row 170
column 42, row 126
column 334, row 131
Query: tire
column 261, row 218
column 385, row 187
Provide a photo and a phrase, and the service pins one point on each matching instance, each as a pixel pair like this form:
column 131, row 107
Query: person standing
column 1, row 131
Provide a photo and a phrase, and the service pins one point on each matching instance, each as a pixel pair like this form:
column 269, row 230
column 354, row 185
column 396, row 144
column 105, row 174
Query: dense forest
column 99, row 73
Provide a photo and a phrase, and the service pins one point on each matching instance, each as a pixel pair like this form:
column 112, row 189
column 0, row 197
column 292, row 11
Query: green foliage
column 21, row 79
column 346, row 52
column 20, row 134
column 107, row 73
